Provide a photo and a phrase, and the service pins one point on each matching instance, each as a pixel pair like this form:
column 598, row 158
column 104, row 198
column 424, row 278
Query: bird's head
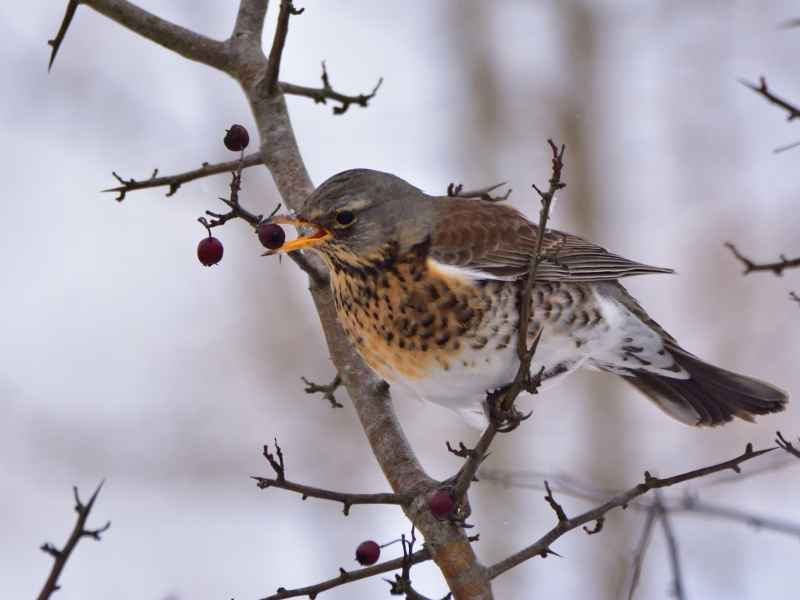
column 358, row 212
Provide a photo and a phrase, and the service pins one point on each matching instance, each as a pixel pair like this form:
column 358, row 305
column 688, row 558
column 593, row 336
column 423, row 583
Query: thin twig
column 794, row 112
column 348, row 576
column 278, row 42
column 630, row 580
column 78, row 532
column 347, row 500
column 523, row 380
column 787, row 445
column 687, row 503
column 327, row 391
column 777, row 267
column 326, row 92
column 795, row 297
column 62, row 31
column 175, row 181
column 542, row 546
column 672, row 545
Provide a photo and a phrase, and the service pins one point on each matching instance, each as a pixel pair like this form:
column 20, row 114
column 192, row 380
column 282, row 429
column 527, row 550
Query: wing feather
column 499, row 241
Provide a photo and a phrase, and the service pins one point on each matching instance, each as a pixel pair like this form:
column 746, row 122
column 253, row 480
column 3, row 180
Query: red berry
column 237, row 138
column 209, row 251
column 442, row 504
column 271, row 235
column 368, row 553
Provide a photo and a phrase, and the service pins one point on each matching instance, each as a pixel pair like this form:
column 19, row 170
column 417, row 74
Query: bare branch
column 777, row 267
column 787, row 445
column 688, row 503
column 348, row 576
column 457, row 191
column 795, row 297
column 672, row 545
column 250, row 18
column 173, row 37
column 311, row 492
column 78, row 532
column 62, row 31
column 523, row 380
column 326, row 92
column 278, row 42
column 542, row 546
column 326, row 390
column 175, row 181
column 794, row 112
column 630, row 580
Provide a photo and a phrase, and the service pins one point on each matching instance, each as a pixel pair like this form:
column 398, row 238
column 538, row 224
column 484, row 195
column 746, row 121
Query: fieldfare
column 427, row 290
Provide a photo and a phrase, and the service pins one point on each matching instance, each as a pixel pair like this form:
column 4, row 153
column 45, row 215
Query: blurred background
column 122, row 358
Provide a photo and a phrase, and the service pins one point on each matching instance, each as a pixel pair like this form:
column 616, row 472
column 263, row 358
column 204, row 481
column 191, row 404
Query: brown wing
column 499, row 241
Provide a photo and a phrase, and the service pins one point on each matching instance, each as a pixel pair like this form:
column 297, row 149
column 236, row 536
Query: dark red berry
column 209, row 251
column 368, row 553
column 442, row 504
column 237, row 138
column 271, row 236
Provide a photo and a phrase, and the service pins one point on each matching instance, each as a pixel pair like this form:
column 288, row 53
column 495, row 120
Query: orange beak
column 307, row 241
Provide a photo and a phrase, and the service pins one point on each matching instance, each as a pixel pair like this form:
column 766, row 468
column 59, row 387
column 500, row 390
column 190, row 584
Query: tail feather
column 710, row 396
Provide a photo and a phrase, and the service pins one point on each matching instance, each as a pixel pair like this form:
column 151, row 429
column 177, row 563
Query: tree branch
column 250, row 18
column 78, row 532
column 173, row 37
column 794, row 112
column 348, row 576
column 326, row 92
column 278, row 42
column 347, row 500
column 175, row 181
column 307, row 491
column 542, row 546
column 523, row 380
column 777, row 267
column 782, row 443
column 634, row 569
column 672, row 545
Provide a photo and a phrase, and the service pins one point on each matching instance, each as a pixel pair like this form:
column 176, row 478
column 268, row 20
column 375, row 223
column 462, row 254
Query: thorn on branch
column 62, row 31
column 327, row 391
column 562, row 516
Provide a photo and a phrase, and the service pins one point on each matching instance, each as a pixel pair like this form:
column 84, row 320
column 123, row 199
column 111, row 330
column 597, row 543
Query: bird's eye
column 345, row 217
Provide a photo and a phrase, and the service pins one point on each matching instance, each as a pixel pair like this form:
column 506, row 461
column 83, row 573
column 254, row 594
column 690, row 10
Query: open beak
column 307, row 241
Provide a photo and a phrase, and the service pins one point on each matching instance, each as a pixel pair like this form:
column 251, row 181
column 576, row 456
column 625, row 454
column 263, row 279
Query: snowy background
column 122, row 358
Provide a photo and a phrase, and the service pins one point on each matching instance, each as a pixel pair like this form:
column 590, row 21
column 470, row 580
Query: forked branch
column 306, row 491
column 326, row 92
column 78, row 532
column 776, row 267
column 542, row 546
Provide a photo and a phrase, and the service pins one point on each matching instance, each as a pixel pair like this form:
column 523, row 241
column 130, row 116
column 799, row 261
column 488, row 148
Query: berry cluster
column 271, row 236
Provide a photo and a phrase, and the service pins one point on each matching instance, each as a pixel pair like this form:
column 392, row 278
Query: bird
column 428, row 289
